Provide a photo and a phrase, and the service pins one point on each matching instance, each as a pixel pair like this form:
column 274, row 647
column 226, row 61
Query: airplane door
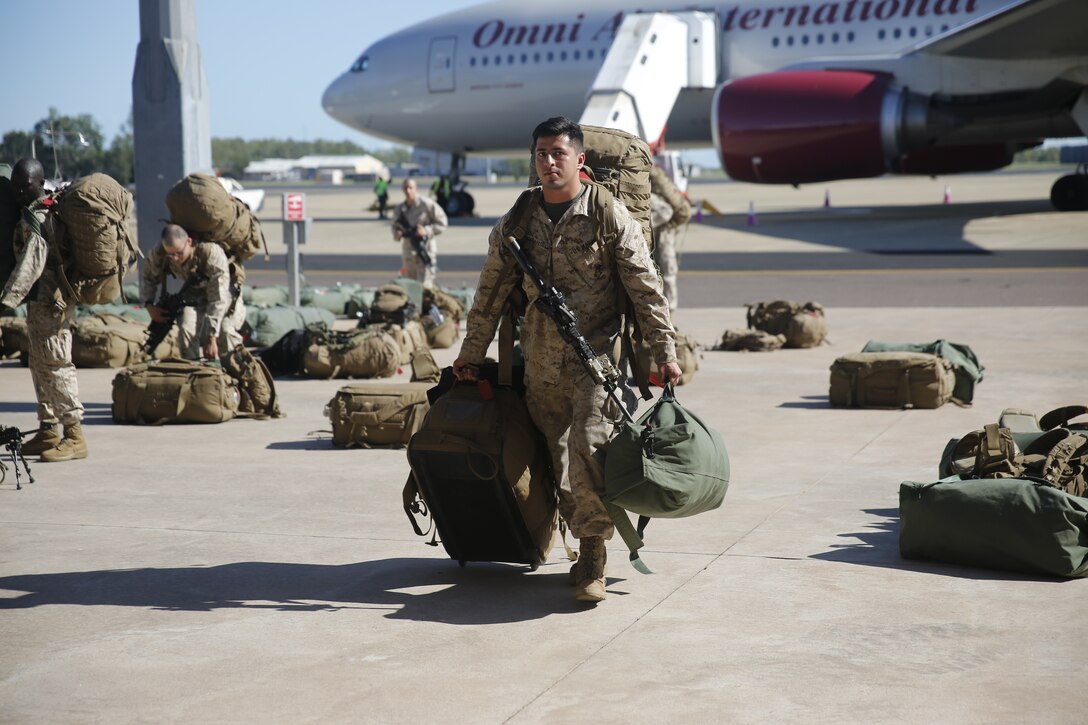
column 440, row 65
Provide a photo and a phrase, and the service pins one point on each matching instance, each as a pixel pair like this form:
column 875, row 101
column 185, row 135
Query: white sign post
column 295, row 226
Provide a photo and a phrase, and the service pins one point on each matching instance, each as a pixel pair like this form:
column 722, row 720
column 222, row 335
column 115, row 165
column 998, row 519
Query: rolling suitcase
column 481, row 469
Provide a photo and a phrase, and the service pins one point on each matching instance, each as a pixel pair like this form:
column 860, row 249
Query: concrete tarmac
column 250, row 572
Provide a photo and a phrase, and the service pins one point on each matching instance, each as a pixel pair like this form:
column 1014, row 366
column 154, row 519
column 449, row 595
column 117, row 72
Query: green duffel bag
column 268, row 325
column 1012, row 524
column 173, row 391
column 268, row 296
column 668, row 464
column 965, row 364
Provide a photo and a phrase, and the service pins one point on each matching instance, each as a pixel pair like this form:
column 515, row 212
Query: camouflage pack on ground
column 369, row 353
column 803, row 325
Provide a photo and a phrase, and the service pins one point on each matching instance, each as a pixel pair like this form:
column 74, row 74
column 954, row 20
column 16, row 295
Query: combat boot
column 589, row 570
column 72, row 446
column 47, row 437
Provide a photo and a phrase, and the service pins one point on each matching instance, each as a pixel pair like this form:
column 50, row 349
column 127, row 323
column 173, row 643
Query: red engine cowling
column 795, row 127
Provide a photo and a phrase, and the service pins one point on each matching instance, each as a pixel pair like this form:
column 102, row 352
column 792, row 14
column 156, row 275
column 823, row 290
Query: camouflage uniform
column 575, row 415
column 48, row 321
column 665, row 247
column 213, row 310
column 430, row 215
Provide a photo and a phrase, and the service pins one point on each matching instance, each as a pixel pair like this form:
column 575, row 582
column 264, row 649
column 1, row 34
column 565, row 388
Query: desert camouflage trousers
column 665, row 256
column 414, row 268
column 230, row 331
column 51, row 368
column 576, row 418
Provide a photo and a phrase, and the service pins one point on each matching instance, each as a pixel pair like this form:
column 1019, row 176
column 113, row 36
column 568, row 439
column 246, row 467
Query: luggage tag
column 486, row 392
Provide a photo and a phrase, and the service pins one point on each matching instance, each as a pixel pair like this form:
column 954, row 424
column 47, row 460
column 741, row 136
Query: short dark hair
column 560, row 126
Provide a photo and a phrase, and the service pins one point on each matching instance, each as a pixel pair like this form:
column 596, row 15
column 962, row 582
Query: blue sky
column 267, row 61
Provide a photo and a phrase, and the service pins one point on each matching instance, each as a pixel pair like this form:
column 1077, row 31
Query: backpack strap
column 517, row 225
column 1061, row 416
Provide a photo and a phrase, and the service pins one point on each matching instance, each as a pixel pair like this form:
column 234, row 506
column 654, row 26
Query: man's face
column 28, row 189
column 557, row 162
column 410, row 192
column 178, row 252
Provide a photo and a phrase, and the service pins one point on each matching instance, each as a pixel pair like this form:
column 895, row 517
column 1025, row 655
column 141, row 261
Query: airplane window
column 929, row 30
column 483, row 60
column 510, row 59
column 774, row 42
column 536, row 57
column 789, row 41
column 360, row 65
column 551, row 56
column 472, row 61
column 804, row 40
column 913, row 32
column 834, row 37
column 880, row 34
column 850, row 37
column 577, row 55
column 896, row 33
column 820, row 38
column 562, row 55
column 589, row 54
column 944, row 28
column 524, row 58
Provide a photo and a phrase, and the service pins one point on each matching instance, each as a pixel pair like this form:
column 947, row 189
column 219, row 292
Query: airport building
column 330, row 169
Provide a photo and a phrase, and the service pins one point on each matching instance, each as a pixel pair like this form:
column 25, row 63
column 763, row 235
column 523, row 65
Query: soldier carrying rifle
column 209, row 310
column 417, row 221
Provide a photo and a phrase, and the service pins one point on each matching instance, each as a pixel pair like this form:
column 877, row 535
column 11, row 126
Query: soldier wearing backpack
column 49, row 321
column 213, row 315
column 565, row 245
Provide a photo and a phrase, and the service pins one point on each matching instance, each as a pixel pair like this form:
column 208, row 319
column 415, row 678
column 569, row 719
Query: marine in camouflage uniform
column 425, row 218
column 49, row 324
column 576, row 415
column 215, row 310
column 669, row 211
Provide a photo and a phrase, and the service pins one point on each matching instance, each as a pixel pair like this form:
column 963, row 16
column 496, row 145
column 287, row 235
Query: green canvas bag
column 668, row 464
column 1011, row 524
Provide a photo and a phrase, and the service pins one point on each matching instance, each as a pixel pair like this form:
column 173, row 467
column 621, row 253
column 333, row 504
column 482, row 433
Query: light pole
column 53, row 134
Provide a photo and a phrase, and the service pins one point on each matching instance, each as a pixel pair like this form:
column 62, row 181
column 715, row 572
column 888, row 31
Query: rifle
column 409, row 231
column 172, row 304
column 599, row 367
column 12, row 439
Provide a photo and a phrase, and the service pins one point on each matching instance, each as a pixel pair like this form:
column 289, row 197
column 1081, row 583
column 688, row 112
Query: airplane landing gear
column 457, row 201
column 1070, row 193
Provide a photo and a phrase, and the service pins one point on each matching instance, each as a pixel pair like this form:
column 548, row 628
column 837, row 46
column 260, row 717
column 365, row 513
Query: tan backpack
column 356, row 354
column 804, row 325
column 750, row 341
column 210, row 213
column 92, row 242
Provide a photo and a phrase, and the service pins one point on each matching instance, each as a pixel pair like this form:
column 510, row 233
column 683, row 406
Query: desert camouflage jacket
column 570, row 257
column 211, row 294
column 31, row 260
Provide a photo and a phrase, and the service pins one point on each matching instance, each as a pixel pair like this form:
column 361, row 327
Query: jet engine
column 795, row 127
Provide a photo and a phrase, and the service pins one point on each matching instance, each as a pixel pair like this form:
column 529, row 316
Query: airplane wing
column 1030, row 29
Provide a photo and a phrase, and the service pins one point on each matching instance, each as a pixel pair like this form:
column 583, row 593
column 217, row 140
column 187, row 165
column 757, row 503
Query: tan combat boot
column 589, row 569
column 47, row 437
column 72, row 446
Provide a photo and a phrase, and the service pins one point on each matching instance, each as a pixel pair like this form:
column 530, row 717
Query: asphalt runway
column 997, row 243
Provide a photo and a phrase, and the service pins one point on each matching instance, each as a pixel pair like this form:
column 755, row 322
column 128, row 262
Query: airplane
column 787, row 91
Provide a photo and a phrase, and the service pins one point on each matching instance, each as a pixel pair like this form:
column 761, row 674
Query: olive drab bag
column 804, row 325
column 256, row 387
column 965, row 364
column 173, row 391
column 668, row 464
column 392, row 304
column 93, row 245
column 377, row 415
column 1012, row 496
column 891, row 380
column 349, row 354
column 210, row 213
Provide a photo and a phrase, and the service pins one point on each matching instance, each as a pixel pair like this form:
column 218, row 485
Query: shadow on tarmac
column 415, row 589
column 878, row 546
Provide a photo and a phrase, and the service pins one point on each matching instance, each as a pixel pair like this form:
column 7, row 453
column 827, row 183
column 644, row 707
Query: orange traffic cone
column 752, row 214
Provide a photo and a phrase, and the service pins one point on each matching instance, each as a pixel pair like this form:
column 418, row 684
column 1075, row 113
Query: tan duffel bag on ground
column 173, row 391
column 891, row 380
column 374, row 415
column 357, row 354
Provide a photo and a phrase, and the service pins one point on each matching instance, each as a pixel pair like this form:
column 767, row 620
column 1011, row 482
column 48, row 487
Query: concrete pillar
column 170, row 118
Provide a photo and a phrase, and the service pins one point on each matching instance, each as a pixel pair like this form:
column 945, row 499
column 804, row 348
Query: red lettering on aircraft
column 500, row 33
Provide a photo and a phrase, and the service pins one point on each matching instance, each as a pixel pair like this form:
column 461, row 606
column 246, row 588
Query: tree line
column 72, row 146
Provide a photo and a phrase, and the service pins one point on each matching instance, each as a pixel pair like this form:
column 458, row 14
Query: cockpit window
column 361, row 65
